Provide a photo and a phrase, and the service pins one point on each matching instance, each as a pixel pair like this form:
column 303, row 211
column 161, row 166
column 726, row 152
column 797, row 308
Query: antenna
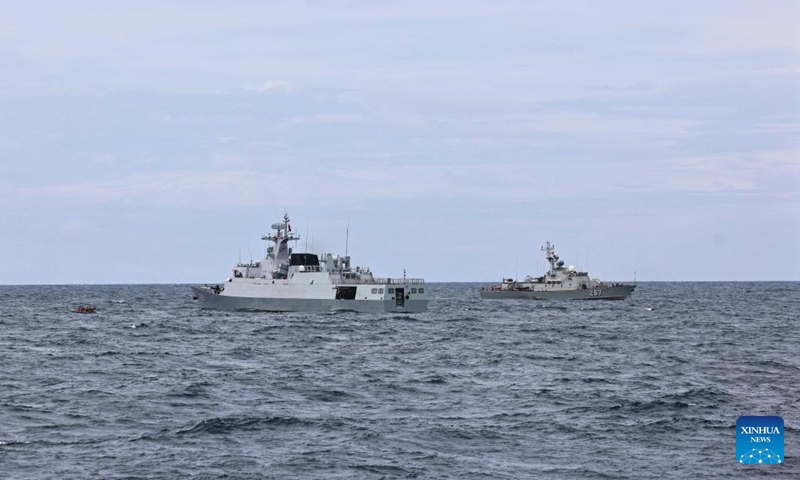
column 312, row 245
column 347, row 237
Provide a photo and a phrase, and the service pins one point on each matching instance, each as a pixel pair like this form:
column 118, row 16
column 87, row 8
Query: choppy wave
column 152, row 387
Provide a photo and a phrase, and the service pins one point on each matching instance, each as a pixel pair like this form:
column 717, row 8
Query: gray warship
column 285, row 281
column 559, row 283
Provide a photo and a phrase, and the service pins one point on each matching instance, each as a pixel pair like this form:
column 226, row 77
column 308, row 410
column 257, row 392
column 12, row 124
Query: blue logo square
column 759, row 440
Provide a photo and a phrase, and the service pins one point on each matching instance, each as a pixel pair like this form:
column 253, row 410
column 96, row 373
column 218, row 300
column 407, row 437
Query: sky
column 155, row 142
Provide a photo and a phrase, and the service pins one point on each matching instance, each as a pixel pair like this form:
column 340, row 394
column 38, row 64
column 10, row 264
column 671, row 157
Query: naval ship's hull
column 209, row 299
column 617, row 292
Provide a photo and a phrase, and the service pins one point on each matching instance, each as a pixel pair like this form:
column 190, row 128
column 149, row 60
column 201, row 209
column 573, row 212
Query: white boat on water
column 559, row 283
column 284, row 281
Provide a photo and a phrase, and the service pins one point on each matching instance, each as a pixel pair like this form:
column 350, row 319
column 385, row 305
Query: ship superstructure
column 285, row 281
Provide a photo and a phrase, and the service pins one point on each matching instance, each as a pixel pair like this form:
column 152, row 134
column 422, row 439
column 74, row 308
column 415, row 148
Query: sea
column 151, row 386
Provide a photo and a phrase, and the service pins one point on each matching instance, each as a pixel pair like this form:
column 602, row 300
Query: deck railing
column 378, row 281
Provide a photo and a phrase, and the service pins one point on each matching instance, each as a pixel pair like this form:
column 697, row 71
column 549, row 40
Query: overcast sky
column 143, row 143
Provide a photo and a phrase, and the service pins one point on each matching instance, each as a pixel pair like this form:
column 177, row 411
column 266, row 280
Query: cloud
column 274, row 86
column 322, row 118
column 575, row 112
column 769, row 175
column 787, row 126
column 778, row 71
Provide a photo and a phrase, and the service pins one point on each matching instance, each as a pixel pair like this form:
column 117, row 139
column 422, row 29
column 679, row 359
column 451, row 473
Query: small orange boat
column 84, row 309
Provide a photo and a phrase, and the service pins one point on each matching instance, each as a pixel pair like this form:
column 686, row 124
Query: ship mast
column 280, row 239
column 550, row 253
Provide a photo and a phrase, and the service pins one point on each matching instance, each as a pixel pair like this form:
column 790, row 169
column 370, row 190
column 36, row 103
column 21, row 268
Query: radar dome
column 560, row 263
column 570, row 268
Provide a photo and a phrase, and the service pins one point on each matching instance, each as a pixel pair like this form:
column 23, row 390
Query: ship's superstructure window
column 304, row 259
column 380, row 290
column 345, row 293
column 391, row 290
column 421, row 290
column 374, row 290
column 413, row 290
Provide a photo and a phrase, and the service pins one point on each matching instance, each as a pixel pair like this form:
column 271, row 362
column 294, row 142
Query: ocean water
column 152, row 387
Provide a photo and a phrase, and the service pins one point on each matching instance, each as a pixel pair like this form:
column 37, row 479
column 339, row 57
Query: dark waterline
column 150, row 386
